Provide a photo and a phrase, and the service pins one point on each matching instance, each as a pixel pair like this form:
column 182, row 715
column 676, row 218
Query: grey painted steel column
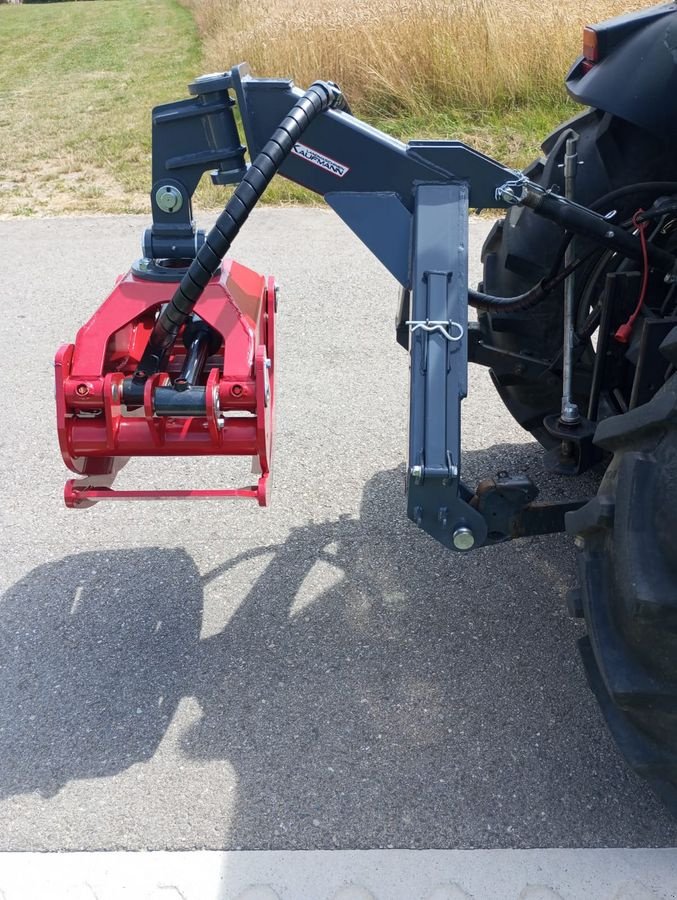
column 439, row 366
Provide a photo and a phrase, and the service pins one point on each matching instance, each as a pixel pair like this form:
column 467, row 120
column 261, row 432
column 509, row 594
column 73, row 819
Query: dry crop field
column 488, row 72
column 407, row 56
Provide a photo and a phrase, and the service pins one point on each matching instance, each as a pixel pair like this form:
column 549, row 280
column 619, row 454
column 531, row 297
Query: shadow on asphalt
column 73, row 704
column 370, row 684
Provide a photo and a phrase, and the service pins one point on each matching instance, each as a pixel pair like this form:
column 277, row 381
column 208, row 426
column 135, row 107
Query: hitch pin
column 446, row 328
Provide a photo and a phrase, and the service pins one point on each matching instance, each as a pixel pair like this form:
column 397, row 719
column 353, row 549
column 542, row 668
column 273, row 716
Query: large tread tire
column 521, row 249
column 627, row 539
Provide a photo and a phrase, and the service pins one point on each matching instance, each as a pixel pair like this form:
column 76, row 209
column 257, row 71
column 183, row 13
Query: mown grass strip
column 77, row 81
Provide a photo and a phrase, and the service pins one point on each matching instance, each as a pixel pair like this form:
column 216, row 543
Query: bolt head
column 169, row 198
column 570, row 414
column 579, row 541
column 463, row 538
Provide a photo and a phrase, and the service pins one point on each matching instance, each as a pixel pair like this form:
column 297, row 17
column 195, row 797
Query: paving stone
column 342, row 875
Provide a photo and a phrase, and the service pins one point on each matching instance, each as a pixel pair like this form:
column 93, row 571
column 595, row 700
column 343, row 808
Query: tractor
column 576, row 321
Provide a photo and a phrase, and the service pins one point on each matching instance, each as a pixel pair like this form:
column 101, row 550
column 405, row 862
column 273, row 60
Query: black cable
column 319, row 97
column 602, row 267
column 658, row 212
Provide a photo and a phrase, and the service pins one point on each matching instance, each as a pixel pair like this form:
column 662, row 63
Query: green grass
column 78, row 81
column 512, row 135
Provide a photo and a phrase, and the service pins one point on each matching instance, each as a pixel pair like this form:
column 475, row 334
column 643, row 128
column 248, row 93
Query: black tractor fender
column 636, row 75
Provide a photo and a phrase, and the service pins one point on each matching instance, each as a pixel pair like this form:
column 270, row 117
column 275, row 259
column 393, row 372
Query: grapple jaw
column 223, row 407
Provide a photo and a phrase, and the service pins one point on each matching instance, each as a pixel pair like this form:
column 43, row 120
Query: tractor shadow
column 96, row 651
column 372, row 688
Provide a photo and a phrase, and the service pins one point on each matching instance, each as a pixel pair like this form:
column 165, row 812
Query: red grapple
column 99, row 432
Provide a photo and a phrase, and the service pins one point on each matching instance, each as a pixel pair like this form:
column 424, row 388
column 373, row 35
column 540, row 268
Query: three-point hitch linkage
column 180, row 359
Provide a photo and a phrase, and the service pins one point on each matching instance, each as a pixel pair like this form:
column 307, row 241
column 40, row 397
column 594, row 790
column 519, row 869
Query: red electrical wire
column 625, row 331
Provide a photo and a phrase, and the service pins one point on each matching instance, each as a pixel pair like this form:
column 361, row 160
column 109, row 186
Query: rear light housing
column 590, row 48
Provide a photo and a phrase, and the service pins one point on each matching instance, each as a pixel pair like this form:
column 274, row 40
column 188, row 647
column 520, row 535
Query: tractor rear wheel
column 521, row 249
column 626, row 536
column 627, row 556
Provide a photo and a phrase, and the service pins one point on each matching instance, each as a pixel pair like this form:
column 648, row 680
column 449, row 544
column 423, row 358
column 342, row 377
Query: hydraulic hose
column 639, row 189
column 529, row 298
column 591, row 225
column 541, row 290
column 320, row 96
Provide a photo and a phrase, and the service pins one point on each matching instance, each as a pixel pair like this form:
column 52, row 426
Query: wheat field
column 407, row 57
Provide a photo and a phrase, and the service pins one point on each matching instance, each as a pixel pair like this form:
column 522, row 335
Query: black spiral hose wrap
column 320, row 96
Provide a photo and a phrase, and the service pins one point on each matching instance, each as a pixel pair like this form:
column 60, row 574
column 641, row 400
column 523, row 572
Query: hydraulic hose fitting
column 512, row 192
column 320, row 96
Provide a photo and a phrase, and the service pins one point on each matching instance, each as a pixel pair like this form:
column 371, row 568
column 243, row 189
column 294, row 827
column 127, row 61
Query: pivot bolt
column 416, row 473
column 169, row 198
column 463, row 538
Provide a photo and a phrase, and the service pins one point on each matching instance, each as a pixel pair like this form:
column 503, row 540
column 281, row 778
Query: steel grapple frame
column 230, row 414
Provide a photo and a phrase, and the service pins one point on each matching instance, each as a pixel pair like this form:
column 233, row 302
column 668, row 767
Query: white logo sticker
column 323, row 162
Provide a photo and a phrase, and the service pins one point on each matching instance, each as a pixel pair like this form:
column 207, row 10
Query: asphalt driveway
column 317, row 675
